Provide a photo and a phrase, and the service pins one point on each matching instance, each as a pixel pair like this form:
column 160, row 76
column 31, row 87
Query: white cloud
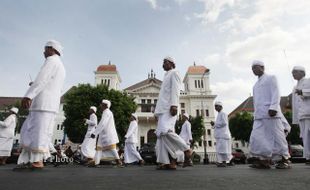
column 233, row 92
column 153, row 3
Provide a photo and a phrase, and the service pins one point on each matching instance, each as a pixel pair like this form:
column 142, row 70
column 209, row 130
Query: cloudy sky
column 223, row 35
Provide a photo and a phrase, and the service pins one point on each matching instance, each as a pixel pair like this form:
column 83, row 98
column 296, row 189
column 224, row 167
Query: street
column 147, row 178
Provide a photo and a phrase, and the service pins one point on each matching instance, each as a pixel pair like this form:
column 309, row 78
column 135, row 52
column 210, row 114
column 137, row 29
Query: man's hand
column 92, row 136
column 30, row 83
column 298, row 92
column 26, row 102
column 173, row 110
column 272, row 113
column 212, row 123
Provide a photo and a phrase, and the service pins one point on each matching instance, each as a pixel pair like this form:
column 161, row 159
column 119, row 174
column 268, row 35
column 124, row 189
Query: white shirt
column 266, row 97
column 45, row 91
column 296, row 101
column 169, row 92
column 304, row 109
column 132, row 132
column 221, row 128
column 106, row 129
column 186, row 132
column 92, row 123
column 7, row 127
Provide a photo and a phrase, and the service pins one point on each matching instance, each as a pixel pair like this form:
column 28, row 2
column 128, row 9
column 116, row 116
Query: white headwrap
column 56, row 45
column 257, row 62
column 299, row 68
column 169, row 59
column 107, row 102
column 218, row 103
column 14, row 109
column 186, row 115
column 134, row 115
column 93, row 108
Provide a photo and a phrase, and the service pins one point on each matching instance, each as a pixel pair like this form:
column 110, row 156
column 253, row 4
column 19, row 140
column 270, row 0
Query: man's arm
column 175, row 93
column 275, row 97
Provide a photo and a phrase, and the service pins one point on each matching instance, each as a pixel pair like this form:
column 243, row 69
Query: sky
column 135, row 35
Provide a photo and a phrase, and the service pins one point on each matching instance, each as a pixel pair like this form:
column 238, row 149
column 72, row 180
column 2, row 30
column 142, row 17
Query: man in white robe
column 169, row 145
column 130, row 151
column 43, row 100
column 222, row 136
column 107, row 136
column 7, row 131
column 267, row 140
column 88, row 147
column 301, row 108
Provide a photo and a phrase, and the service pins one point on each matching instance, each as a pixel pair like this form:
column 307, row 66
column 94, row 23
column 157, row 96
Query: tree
column 198, row 128
column 293, row 136
column 241, row 126
column 78, row 101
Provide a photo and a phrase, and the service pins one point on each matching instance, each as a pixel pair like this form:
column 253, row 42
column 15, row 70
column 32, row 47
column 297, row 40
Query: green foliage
column 198, row 128
column 241, row 126
column 293, row 136
column 79, row 99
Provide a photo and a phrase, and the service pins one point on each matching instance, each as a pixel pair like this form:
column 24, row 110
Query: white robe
column 130, row 152
column 88, row 147
column 223, row 138
column 7, row 130
column 186, row 132
column 267, row 138
column 45, row 92
column 304, row 116
column 107, row 137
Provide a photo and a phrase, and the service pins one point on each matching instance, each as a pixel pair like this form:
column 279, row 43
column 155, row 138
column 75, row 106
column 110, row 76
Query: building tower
column 108, row 75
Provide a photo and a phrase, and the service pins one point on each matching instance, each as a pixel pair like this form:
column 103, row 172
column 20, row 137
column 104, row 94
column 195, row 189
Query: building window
column 55, row 142
column 155, row 101
column 200, row 143
column 143, row 101
column 237, row 145
column 210, row 143
column 209, row 132
column 195, row 83
column 182, row 111
column 62, row 127
column 207, row 113
column 149, row 101
column 146, row 108
column 108, row 82
column 58, row 127
column 197, row 113
column 101, row 81
column 201, row 83
column 182, row 105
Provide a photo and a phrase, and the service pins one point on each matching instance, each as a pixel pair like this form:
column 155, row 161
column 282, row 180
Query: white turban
column 169, row 59
column 299, row 68
column 107, row 102
column 218, row 103
column 257, row 62
column 134, row 115
column 14, row 109
column 93, row 108
column 186, row 115
column 56, row 45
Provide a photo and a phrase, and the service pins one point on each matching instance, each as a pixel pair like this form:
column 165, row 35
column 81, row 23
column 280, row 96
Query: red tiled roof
column 199, row 69
column 8, row 101
column 111, row 68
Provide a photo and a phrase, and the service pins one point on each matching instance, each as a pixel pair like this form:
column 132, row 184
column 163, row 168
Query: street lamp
column 206, row 157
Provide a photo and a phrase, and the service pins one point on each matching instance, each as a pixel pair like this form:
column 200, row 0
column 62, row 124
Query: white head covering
column 107, row 102
column 169, row 59
column 134, row 115
column 93, row 108
column 56, row 45
column 186, row 115
column 258, row 62
column 14, row 109
column 299, row 68
column 218, row 103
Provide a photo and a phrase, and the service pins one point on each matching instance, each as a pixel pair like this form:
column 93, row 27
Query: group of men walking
column 267, row 141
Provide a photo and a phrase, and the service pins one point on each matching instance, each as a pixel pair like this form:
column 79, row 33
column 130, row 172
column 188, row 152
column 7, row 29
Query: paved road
column 147, row 178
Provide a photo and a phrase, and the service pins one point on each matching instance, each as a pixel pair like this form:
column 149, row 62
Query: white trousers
column 106, row 155
column 36, row 134
column 305, row 134
column 88, row 147
column 223, row 150
column 6, row 145
column 267, row 140
column 131, row 154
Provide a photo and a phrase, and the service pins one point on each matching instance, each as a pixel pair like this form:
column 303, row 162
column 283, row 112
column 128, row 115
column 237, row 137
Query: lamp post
column 206, row 157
